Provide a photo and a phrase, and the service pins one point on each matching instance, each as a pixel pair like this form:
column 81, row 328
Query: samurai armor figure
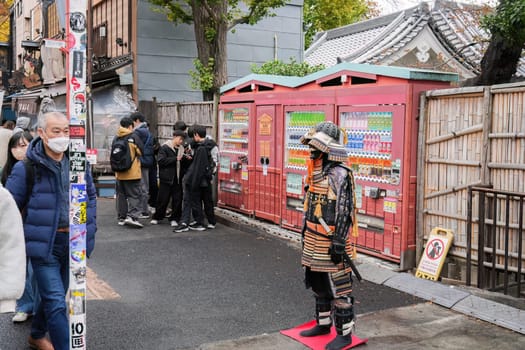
column 328, row 216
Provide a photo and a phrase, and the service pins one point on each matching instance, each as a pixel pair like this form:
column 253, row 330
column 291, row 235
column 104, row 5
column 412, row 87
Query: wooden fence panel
column 454, row 124
column 507, row 161
column 471, row 136
column 202, row 113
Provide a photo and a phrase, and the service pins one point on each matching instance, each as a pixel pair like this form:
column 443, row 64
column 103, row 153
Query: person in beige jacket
column 128, row 182
column 12, row 252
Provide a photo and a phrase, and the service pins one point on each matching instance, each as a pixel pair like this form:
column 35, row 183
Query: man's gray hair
column 42, row 119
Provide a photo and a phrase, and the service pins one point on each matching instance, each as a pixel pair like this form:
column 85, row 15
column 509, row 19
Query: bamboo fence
column 471, row 137
column 163, row 116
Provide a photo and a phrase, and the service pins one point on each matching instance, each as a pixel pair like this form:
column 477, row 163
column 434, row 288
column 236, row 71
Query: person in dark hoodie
column 171, row 171
column 197, row 183
column 147, row 159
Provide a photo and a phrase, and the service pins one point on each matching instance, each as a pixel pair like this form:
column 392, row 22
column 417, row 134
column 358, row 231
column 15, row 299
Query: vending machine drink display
column 369, row 145
column 233, row 175
column 298, row 122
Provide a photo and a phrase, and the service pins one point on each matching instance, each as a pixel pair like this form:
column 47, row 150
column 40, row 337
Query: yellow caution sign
column 436, row 249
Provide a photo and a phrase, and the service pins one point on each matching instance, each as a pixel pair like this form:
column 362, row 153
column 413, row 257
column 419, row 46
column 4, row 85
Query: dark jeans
column 190, row 206
column 206, row 196
column 30, row 300
column 167, row 192
column 193, row 203
column 153, row 185
column 52, row 276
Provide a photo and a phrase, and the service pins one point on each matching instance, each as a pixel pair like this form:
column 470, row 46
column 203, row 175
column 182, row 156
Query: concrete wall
column 165, row 52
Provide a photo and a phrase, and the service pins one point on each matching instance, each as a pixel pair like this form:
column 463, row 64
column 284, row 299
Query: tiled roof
column 456, row 26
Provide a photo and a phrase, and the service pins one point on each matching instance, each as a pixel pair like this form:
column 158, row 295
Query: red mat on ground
column 319, row 342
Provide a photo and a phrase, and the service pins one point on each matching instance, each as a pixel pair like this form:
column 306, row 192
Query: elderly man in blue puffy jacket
column 46, row 226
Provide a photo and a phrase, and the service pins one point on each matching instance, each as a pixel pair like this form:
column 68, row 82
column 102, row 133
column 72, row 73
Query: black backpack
column 120, row 157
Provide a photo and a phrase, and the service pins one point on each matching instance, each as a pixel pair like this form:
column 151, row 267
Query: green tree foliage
column 507, row 28
column 321, row 15
column 287, row 69
column 508, row 21
column 212, row 19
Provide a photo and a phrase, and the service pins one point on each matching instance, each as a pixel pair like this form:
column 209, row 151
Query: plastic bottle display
column 297, row 124
column 234, row 130
column 369, row 144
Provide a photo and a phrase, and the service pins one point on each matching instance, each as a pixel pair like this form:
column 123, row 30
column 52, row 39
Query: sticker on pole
column 433, row 258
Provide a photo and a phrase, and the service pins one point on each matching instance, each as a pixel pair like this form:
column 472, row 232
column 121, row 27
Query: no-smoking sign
column 436, row 250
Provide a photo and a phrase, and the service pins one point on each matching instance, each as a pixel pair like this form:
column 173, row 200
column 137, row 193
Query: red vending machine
column 375, row 146
column 233, row 170
column 298, row 120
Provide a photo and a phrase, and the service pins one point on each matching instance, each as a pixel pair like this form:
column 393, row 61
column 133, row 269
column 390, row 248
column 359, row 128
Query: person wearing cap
column 328, row 207
column 171, row 162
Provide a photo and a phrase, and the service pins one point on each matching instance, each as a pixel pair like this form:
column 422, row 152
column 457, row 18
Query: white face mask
column 58, row 144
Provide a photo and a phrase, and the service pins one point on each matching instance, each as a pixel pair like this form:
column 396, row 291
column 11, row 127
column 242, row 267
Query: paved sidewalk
column 506, row 312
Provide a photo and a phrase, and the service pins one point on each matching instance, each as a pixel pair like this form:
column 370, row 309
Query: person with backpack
column 147, row 159
column 171, row 171
column 328, row 216
column 27, row 305
column 46, row 225
column 197, row 183
column 126, row 149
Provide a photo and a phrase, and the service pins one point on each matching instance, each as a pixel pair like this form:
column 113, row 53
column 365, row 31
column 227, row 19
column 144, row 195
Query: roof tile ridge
column 380, row 37
column 458, row 55
column 373, row 49
column 316, row 44
column 465, row 34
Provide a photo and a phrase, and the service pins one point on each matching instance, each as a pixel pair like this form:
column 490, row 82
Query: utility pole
column 76, row 110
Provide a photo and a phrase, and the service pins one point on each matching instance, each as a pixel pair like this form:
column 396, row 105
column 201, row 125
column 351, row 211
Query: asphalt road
column 181, row 290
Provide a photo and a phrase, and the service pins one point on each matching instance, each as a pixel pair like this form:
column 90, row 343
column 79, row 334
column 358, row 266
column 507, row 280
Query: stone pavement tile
column 493, row 312
column 436, row 292
column 375, row 274
column 271, row 341
column 430, row 326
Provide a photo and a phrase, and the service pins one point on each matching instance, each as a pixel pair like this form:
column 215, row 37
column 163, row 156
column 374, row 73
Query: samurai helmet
column 326, row 138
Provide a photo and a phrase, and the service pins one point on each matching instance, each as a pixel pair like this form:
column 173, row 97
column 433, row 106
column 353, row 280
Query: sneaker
column 174, row 223
column 144, row 216
column 154, row 222
column 193, row 223
column 197, row 227
column 151, row 209
column 21, row 316
column 181, row 228
column 121, row 222
column 133, row 222
column 210, row 226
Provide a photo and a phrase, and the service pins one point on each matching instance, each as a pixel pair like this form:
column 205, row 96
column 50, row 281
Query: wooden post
column 487, row 127
column 421, row 179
